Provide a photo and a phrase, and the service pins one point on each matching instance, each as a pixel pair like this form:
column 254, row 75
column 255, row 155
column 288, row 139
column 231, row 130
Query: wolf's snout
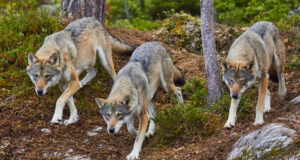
column 40, row 92
column 111, row 130
column 235, row 95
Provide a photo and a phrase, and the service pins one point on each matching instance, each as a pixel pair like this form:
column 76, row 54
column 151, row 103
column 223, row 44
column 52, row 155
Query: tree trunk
column 84, row 8
column 127, row 9
column 213, row 81
column 142, row 3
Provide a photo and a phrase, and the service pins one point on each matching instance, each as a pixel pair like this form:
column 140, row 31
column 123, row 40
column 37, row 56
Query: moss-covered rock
column 264, row 142
column 184, row 30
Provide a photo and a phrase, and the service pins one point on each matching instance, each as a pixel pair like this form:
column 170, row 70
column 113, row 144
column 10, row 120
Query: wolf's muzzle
column 40, row 92
column 235, row 95
column 111, row 130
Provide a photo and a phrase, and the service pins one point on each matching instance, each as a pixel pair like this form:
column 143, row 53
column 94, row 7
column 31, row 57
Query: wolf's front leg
column 232, row 113
column 60, row 103
column 73, row 112
column 130, row 127
column 259, row 119
column 141, row 134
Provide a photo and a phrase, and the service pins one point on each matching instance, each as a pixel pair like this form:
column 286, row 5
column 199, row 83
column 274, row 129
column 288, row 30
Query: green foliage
column 138, row 19
column 194, row 119
column 179, row 122
column 23, row 30
column 294, row 62
column 245, row 12
column 158, row 7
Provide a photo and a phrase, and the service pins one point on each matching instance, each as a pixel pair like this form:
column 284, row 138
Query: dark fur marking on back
column 260, row 29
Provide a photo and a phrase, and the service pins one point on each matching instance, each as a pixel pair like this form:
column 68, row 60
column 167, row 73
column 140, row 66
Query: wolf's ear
column 101, row 102
column 54, row 59
column 250, row 66
column 225, row 65
column 31, row 58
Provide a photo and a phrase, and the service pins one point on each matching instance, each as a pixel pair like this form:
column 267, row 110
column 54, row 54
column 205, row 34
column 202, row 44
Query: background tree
column 126, row 7
column 213, row 81
column 84, row 8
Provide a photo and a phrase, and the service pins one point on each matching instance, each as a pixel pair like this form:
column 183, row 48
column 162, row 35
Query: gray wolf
column 65, row 55
column 135, row 85
column 258, row 54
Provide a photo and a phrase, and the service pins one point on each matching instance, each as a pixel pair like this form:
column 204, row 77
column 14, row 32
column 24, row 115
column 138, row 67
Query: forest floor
column 27, row 134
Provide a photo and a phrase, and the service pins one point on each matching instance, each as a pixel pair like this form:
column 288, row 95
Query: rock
column 45, row 130
column 256, row 144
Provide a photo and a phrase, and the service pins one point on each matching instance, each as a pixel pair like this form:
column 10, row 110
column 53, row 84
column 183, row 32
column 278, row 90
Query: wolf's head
column 238, row 76
column 43, row 72
column 114, row 114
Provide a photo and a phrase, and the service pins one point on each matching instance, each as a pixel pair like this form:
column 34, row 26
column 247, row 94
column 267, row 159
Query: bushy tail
column 178, row 77
column 120, row 48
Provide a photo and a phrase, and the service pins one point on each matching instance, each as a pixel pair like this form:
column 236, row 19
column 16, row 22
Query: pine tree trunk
column 84, row 8
column 213, row 81
column 127, row 9
column 142, row 4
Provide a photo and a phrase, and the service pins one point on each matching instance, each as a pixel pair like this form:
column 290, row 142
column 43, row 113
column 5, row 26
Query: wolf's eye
column 48, row 76
column 231, row 81
column 36, row 76
column 107, row 114
column 119, row 115
column 243, row 82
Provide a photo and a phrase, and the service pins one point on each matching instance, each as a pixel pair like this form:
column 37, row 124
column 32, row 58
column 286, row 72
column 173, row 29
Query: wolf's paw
column 150, row 132
column 266, row 110
column 82, row 84
column 71, row 120
column 133, row 156
column 282, row 92
column 229, row 124
column 132, row 131
column 258, row 122
column 56, row 121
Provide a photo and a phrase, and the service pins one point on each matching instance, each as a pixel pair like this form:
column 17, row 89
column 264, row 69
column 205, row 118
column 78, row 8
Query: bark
column 213, row 81
column 84, row 8
column 142, row 3
column 127, row 9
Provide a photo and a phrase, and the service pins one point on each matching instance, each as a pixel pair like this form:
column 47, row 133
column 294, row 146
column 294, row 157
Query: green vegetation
column 138, row 19
column 179, row 122
column 23, row 30
column 245, row 12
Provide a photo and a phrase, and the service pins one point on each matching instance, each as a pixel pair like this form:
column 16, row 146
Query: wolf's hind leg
column 106, row 60
column 281, row 82
column 91, row 73
column 167, row 79
column 151, row 112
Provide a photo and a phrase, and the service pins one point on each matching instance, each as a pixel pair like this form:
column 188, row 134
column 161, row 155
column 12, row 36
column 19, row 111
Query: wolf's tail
column 178, row 77
column 120, row 48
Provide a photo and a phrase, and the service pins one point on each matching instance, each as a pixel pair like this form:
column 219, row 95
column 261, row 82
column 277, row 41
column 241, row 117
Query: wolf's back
column 267, row 30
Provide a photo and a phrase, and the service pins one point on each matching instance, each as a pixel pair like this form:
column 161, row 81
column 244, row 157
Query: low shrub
column 23, row 29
